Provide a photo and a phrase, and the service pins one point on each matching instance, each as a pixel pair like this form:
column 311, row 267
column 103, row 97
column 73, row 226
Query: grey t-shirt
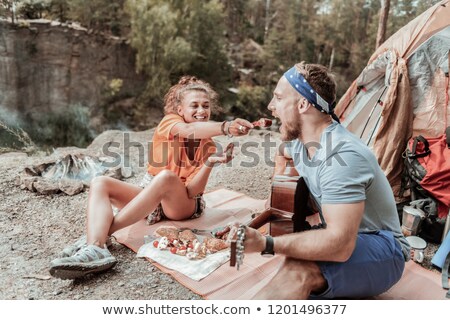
column 344, row 170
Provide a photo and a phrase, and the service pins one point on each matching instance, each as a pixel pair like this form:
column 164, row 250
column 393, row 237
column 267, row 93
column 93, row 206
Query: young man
column 361, row 251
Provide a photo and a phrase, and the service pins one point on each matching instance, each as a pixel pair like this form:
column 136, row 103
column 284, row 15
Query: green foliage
column 12, row 137
column 251, row 102
column 67, row 128
column 114, row 87
column 204, row 32
column 102, row 15
column 59, row 10
column 32, row 9
column 173, row 38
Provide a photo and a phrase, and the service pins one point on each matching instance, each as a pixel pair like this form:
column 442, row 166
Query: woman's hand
column 225, row 157
column 239, row 127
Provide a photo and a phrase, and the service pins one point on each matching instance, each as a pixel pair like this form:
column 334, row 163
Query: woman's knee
column 166, row 177
column 101, row 183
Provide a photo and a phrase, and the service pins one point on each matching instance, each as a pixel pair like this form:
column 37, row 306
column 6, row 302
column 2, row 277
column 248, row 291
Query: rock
column 13, row 155
column 126, row 172
column 114, row 173
column 73, row 80
column 57, row 292
column 46, row 187
column 71, row 187
column 30, row 172
column 41, row 167
column 28, row 183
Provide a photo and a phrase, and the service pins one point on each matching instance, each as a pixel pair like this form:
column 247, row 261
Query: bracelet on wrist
column 222, row 128
column 228, row 130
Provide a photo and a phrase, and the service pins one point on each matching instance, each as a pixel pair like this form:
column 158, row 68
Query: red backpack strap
column 426, row 150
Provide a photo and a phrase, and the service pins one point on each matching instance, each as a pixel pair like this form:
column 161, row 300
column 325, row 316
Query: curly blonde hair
column 173, row 97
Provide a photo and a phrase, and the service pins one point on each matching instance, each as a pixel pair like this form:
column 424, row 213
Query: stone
column 30, row 172
column 71, row 187
column 46, row 187
column 73, row 80
column 114, row 173
column 126, row 172
column 42, row 166
column 28, row 183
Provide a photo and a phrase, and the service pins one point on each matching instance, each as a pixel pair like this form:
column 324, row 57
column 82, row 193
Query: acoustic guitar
column 290, row 205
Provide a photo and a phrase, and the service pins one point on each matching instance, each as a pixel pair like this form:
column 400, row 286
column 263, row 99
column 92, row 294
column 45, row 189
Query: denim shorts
column 376, row 264
column 158, row 214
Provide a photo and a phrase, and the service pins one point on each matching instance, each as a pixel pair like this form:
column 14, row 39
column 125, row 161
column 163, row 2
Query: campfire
column 69, row 174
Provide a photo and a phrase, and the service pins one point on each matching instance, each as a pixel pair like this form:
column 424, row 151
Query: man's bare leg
column 294, row 280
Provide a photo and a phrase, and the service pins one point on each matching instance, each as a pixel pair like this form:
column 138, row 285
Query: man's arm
column 335, row 243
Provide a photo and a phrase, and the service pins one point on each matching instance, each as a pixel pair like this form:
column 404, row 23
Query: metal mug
column 418, row 246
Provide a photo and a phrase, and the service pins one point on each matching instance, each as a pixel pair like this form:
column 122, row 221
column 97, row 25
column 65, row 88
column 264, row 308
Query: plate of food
column 192, row 254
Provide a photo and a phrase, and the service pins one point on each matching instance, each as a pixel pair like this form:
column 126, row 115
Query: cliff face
column 47, row 67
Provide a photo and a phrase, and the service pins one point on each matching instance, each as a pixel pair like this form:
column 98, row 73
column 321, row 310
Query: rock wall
column 47, row 67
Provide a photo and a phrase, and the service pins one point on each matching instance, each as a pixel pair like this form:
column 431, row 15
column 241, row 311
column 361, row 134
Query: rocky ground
column 34, row 228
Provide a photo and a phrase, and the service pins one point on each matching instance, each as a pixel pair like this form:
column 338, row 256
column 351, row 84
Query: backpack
column 427, row 176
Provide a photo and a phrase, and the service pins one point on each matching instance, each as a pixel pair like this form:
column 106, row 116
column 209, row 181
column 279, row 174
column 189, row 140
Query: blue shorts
column 376, row 264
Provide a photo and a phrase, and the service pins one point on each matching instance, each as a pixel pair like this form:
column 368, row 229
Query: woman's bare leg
column 104, row 192
column 166, row 188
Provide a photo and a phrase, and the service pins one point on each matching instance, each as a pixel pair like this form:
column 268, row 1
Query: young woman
column 180, row 162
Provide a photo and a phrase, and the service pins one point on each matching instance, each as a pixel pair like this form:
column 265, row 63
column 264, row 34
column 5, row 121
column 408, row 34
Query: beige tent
column 403, row 91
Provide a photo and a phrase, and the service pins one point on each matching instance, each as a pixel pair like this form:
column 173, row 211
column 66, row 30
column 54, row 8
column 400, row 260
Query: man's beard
column 291, row 129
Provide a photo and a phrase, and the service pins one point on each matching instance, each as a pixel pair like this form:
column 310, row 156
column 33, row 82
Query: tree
column 10, row 8
column 102, row 15
column 382, row 23
column 59, row 9
column 175, row 37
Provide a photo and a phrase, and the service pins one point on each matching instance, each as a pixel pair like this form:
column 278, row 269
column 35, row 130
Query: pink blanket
column 224, row 206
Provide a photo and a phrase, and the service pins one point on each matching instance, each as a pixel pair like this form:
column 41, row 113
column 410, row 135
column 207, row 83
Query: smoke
column 12, row 136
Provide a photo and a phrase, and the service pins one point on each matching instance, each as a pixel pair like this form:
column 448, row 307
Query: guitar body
column 290, row 204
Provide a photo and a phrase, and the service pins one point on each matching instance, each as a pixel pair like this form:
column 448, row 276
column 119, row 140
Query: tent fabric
column 403, row 91
column 396, row 118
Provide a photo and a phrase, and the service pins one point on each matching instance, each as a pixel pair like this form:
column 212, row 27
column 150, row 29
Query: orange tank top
column 169, row 152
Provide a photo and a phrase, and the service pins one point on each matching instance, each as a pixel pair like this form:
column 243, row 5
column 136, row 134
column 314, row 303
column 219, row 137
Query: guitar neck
column 260, row 220
column 267, row 215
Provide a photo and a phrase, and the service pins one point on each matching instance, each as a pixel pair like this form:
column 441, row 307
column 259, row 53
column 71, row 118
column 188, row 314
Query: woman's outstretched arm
column 202, row 130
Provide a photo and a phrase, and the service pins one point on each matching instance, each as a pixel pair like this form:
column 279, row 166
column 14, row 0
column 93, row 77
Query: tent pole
column 358, row 90
column 371, row 112
column 373, row 131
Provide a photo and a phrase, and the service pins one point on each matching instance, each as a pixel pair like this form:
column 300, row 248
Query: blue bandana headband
column 299, row 83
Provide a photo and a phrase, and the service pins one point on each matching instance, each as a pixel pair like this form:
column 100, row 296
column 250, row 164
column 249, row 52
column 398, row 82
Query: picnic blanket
column 227, row 283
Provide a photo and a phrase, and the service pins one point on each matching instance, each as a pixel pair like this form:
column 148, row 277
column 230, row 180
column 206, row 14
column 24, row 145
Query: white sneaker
column 88, row 259
column 70, row 250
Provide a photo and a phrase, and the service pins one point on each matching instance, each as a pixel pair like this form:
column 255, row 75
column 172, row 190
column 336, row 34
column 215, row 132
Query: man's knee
column 306, row 274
